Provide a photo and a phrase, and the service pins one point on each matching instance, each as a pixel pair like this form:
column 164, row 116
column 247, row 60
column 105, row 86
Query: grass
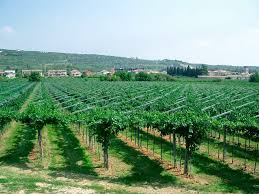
column 72, row 156
column 130, row 161
column 64, row 154
column 239, row 153
column 18, row 146
column 144, row 170
column 14, row 180
column 221, row 177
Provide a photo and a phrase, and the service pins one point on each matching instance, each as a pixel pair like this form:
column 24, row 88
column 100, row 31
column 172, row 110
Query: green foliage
column 37, row 116
column 13, row 59
column 124, row 76
column 162, row 77
column 254, row 78
column 142, row 76
column 180, row 71
column 105, row 125
column 34, row 77
column 204, row 70
column 110, row 78
column 5, row 117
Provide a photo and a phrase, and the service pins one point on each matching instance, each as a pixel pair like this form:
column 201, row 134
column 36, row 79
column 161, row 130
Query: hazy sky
column 208, row 31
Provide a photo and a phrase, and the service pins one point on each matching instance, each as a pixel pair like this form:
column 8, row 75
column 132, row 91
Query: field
column 74, row 135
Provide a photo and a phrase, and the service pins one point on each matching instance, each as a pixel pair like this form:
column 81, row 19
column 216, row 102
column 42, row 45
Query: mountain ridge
column 21, row 59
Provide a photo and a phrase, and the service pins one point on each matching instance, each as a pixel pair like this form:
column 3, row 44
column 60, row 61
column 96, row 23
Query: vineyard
column 192, row 136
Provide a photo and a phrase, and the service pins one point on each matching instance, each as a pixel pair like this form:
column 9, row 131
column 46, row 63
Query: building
column 57, row 73
column 9, row 73
column 113, row 71
column 223, row 74
column 1, row 73
column 28, row 72
column 133, row 70
column 246, row 69
column 75, row 73
column 153, row 72
column 103, row 72
column 87, row 73
column 219, row 73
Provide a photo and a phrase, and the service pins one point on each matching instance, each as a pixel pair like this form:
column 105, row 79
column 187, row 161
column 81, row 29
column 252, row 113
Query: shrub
column 141, row 76
column 34, row 77
column 254, row 78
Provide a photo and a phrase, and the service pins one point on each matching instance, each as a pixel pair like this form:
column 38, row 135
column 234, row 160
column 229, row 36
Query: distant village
column 223, row 74
column 219, row 74
column 72, row 73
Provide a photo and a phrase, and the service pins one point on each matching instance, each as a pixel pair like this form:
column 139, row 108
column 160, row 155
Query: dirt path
column 72, row 183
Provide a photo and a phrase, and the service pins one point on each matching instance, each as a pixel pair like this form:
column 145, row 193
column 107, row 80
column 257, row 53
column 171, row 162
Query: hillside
column 19, row 59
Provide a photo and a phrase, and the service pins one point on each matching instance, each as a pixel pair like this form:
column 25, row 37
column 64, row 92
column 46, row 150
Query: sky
column 198, row 31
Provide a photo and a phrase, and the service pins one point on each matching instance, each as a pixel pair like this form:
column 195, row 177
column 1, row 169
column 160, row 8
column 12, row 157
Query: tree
column 192, row 126
column 190, row 72
column 204, row 70
column 136, row 123
column 227, row 127
column 37, row 116
column 166, row 124
column 124, row 76
column 250, row 130
column 142, row 76
column 34, row 77
column 254, row 78
column 105, row 124
column 5, row 117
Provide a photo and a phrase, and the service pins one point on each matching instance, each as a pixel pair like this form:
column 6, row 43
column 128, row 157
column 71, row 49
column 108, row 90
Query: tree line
column 189, row 72
column 141, row 76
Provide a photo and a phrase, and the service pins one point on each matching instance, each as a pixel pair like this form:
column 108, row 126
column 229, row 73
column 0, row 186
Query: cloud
column 7, row 29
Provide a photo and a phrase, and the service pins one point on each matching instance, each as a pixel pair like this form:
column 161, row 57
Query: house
column 246, row 69
column 133, row 70
column 219, row 73
column 9, row 73
column 113, row 71
column 57, row 73
column 87, row 73
column 153, row 72
column 223, row 74
column 75, row 73
column 103, row 72
column 1, row 73
column 136, row 70
column 26, row 72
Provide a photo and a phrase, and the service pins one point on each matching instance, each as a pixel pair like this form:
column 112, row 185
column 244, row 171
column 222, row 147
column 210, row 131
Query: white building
column 29, row 71
column 103, row 72
column 246, row 68
column 223, row 74
column 9, row 73
column 219, row 73
column 1, row 73
column 75, row 73
column 57, row 73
